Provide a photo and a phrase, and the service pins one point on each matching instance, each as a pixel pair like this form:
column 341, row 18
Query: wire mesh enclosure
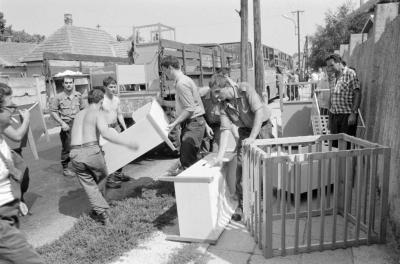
column 303, row 194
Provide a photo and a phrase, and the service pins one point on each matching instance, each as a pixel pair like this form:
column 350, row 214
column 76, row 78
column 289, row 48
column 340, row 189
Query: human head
column 333, row 63
column 220, row 87
column 68, row 84
column 320, row 69
column 110, row 84
column 7, row 108
column 170, row 66
column 95, row 96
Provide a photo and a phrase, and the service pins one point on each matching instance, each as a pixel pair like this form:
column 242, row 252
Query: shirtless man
column 86, row 156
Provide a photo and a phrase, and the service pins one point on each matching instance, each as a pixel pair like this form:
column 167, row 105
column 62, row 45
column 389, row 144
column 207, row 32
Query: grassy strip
column 190, row 253
column 132, row 221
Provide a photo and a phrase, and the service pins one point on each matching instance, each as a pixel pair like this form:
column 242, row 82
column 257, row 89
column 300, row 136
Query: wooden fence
column 303, row 194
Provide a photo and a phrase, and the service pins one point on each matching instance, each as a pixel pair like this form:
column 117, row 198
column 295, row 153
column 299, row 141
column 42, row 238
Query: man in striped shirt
column 345, row 97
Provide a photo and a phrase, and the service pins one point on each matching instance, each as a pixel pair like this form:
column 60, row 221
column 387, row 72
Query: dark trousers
column 20, row 164
column 191, row 136
column 14, row 247
column 65, row 137
column 89, row 165
column 244, row 132
column 211, row 144
column 338, row 123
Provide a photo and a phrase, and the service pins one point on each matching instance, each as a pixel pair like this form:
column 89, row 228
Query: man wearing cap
column 63, row 108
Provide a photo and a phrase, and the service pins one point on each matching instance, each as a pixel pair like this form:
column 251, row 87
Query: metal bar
column 384, row 194
column 309, row 200
column 371, row 200
column 358, row 197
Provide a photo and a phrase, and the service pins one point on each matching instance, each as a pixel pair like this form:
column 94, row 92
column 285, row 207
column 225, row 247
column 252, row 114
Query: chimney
column 68, row 19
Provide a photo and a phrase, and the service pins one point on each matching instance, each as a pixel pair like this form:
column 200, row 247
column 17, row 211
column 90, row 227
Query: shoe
column 119, row 176
column 113, row 184
column 23, row 209
column 68, row 173
column 238, row 215
column 101, row 217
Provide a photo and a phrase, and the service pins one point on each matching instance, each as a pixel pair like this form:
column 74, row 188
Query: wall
column 377, row 63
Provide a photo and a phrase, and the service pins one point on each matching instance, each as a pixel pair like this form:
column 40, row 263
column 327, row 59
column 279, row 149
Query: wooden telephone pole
column 258, row 52
column 244, row 37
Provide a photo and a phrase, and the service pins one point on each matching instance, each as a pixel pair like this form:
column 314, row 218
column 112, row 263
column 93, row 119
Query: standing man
column 189, row 111
column 242, row 106
column 86, row 156
column 112, row 108
column 14, row 247
column 345, row 97
column 63, row 108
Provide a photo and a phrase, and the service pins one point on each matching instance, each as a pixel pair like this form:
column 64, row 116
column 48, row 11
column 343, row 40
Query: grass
column 132, row 221
column 190, row 253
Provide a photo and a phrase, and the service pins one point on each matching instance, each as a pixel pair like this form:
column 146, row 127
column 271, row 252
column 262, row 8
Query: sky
column 195, row 21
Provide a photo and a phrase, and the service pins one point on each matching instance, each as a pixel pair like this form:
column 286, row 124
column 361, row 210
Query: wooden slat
column 298, row 140
column 256, row 199
column 365, row 180
column 260, row 189
column 329, row 178
column 384, row 194
column 283, row 207
column 279, row 193
column 302, row 214
column 178, row 54
column 319, row 149
column 268, row 189
column 309, row 200
column 245, row 177
column 322, row 205
column 335, row 197
column 371, row 200
column 346, row 197
column 297, row 179
column 251, row 187
column 358, row 197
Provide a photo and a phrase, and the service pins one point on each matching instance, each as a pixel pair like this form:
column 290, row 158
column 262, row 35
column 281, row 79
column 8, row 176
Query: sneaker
column 119, row 176
column 101, row 217
column 68, row 173
column 113, row 184
column 238, row 215
column 23, row 209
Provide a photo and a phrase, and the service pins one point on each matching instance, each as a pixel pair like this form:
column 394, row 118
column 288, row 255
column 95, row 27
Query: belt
column 113, row 125
column 84, row 145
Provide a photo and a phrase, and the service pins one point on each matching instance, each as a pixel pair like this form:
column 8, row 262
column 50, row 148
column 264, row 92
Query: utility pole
column 258, row 52
column 298, row 34
column 244, row 37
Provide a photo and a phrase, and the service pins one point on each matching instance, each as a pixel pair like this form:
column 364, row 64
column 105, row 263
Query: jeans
column 244, row 132
column 191, row 136
column 89, row 165
column 14, row 247
column 65, row 137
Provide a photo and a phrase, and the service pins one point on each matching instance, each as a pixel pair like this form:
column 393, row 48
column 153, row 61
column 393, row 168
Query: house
column 76, row 49
column 10, row 52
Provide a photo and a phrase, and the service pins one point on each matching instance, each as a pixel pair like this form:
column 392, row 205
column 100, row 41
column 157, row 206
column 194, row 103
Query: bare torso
column 84, row 129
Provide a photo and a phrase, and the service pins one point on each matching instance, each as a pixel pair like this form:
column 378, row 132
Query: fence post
column 384, row 194
column 269, row 169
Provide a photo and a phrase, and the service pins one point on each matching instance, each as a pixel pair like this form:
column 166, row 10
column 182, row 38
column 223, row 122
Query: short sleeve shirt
column 241, row 110
column 342, row 92
column 187, row 97
column 67, row 106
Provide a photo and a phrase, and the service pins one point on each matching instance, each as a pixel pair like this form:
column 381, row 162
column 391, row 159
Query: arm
column 17, row 134
column 356, row 104
column 258, row 119
column 121, row 120
column 109, row 134
column 223, row 143
column 54, row 104
column 182, row 117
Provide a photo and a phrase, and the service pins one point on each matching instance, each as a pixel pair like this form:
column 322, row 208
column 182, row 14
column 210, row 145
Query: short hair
column 170, row 61
column 95, row 96
column 335, row 57
column 5, row 90
column 69, row 77
column 218, row 81
column 109, row 80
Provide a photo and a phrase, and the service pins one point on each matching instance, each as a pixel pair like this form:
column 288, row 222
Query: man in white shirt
column 14, row 247
column 112, row 108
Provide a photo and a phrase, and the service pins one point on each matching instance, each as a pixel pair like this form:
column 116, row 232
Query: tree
column 339, row 25
column 17, row 36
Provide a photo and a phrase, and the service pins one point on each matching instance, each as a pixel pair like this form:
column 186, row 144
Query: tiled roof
column 78, row 40
column 122, row 48
column 10, row 52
